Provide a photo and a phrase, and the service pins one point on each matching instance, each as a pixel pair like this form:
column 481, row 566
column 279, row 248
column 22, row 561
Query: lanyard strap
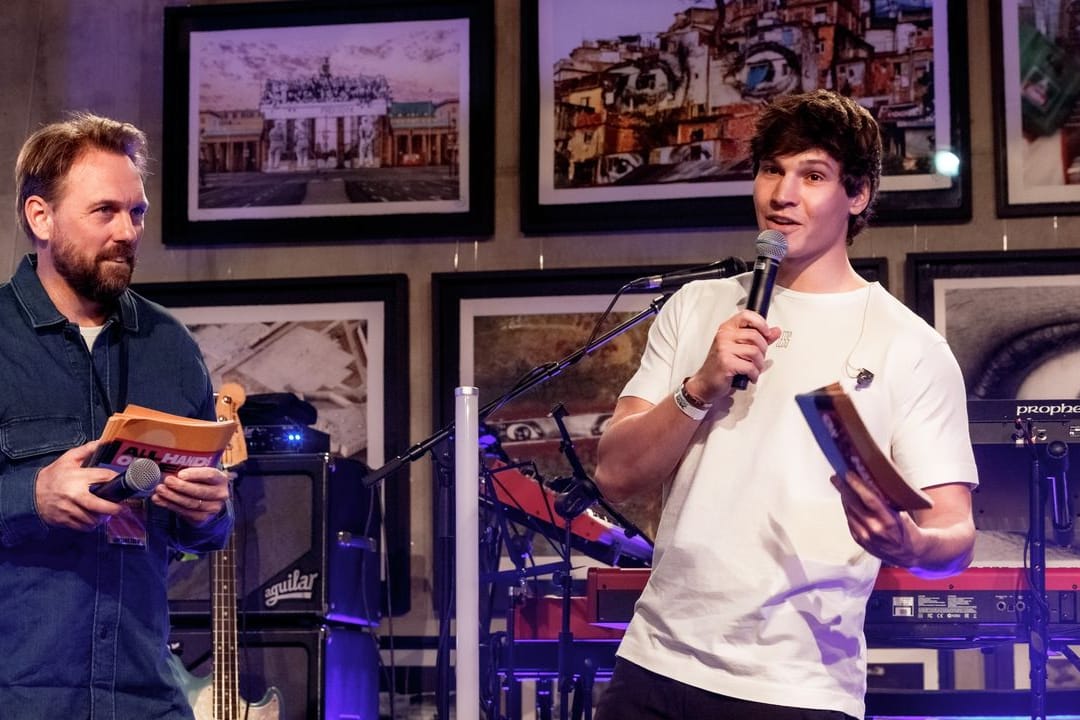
column 122, row 388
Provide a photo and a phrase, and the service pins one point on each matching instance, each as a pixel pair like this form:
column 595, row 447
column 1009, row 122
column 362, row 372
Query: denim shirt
column 84, row 623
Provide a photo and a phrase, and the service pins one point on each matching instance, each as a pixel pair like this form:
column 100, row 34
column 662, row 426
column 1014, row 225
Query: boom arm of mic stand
column 419, row 449
column 630, row 528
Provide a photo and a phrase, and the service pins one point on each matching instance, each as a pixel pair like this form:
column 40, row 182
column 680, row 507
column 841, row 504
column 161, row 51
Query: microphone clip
column 576, row 493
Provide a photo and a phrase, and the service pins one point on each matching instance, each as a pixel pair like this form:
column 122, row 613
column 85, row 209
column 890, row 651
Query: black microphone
column 678, row 278
column 1057, row 453
column 771, row 246
column 142, row 476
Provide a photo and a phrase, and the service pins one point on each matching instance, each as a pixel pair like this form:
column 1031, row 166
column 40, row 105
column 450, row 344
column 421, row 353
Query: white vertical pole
column 466, row 535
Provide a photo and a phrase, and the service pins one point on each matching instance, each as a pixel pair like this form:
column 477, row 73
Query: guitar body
column 200, row 693
column 191, row 685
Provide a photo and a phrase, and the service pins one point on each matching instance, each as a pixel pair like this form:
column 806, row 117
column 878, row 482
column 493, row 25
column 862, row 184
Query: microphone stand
column 1044, row 483
column 1038, row 640
column 540, row 375
column 580, row 493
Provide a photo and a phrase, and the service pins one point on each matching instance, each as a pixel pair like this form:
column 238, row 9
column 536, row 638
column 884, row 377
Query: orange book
column 172, row 441
column 846, row 442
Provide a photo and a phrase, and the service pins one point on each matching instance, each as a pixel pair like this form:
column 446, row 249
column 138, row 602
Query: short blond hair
column 48, row 154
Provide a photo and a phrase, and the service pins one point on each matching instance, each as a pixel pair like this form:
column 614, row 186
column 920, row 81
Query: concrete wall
column 107, row 57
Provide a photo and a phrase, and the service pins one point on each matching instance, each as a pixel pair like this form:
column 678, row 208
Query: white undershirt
column 90, row 334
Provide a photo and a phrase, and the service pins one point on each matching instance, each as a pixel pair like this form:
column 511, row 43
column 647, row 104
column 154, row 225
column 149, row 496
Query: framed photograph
column 337, row 343
column 296, row 121
column 493, row 327
column 1011, row 318
column 639, row 114
column 1036, row 85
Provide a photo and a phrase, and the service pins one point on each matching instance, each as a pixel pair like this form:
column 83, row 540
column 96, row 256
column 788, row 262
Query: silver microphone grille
column 143, row 475
column 771, row 244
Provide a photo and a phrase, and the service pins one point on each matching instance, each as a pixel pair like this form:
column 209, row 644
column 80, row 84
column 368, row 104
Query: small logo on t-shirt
column 785, row 339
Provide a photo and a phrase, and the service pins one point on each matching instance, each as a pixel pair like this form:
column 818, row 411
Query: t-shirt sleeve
column 652, row 381
column 932, row 443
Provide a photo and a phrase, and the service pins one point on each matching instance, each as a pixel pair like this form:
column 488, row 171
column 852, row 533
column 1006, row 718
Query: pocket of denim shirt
column 26, row 437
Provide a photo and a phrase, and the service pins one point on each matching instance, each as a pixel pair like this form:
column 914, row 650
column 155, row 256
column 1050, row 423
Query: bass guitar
column 217, row 696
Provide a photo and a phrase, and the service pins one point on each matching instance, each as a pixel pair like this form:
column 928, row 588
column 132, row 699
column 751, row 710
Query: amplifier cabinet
column 323, row 673
column 307, row 544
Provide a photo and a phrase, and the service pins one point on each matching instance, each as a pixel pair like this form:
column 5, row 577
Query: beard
column 95, row 278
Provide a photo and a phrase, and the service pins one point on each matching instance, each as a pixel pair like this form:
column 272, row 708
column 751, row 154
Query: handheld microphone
column 1057, row 453
column 140, row 478
column 678, row 278
column 771, row 248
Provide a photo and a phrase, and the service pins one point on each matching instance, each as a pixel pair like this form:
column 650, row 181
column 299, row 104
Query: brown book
column 847, row 444
column 173, row 442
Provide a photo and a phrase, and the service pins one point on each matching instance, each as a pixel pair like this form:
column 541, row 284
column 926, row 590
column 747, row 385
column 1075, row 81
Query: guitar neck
column 226, row 689
column 226, row 655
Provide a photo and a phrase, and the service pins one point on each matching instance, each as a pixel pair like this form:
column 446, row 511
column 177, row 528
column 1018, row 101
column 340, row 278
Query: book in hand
column 847, row 444
column 173, row 442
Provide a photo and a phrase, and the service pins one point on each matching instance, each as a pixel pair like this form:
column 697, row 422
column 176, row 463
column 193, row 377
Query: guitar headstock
column 230, row 397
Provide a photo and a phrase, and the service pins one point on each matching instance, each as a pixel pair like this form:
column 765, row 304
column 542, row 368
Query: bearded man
column 83, row 611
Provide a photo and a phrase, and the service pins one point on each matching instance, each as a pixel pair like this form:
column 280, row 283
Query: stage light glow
column 947, row 163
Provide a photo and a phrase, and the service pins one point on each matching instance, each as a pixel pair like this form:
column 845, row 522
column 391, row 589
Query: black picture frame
column 944, row 199
column 1011, row 312
column 872, row 269
column 546, row 290
column 1012, row 320
column 335, row 340
column 1033, row 93
column 565, row 303
column 274, row 125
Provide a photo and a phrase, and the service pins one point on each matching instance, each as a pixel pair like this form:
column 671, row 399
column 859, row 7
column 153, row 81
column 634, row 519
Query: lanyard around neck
column 122, row 388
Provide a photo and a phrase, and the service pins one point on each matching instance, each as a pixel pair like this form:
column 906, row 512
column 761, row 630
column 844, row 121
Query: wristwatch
column 693, row 407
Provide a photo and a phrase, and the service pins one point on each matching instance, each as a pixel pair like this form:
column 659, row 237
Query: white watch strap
column 687, row 408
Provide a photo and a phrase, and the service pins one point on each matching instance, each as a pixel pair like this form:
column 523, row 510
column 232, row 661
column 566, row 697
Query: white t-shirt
column 758, row 590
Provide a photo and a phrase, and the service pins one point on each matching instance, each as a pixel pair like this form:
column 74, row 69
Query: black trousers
column 635, row 693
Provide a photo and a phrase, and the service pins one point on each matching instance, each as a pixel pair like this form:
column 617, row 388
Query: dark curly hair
column 824, row 120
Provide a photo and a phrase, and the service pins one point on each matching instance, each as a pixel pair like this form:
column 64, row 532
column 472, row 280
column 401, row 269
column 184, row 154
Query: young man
column 83, row 613
column 763, row 564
